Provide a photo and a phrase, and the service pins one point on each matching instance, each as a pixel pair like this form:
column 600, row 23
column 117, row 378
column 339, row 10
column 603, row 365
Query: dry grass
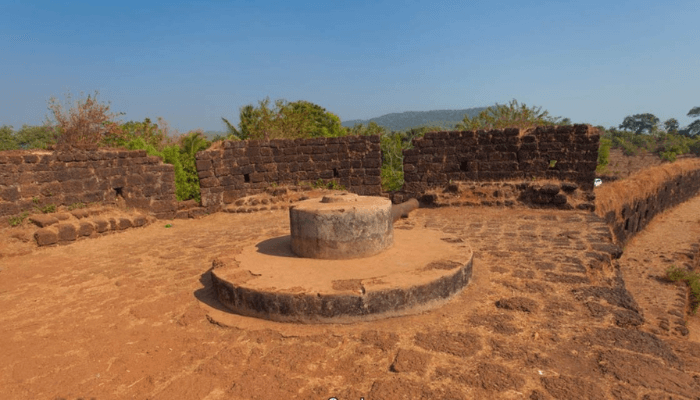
column 613, row 196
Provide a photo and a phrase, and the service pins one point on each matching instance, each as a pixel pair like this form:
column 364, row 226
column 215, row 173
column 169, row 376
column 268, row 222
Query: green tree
column 639, row 123
column 370, row 129
column 285, row 120
column 7, row 138
column 671, row 125
column 694, row 128
column 146, row 130
column 35, row 137
column 187, row 185
column 509, row 115
column 232, row 132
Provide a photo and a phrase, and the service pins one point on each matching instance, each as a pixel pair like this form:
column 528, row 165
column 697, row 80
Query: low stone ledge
column 70, row 230
column 43, row 220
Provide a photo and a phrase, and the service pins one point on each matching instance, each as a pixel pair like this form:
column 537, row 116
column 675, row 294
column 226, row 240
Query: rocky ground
column 550, row 314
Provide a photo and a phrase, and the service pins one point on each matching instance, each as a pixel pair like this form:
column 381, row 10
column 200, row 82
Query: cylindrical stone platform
column 341, row 226
column 423, row 269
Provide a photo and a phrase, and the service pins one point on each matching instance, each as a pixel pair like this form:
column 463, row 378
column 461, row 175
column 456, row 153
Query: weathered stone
column 80, row 213
column 46, row 236
column 43, row 220
column 139, row 220
column 86, row 228
column 550, row 189
column 325, row 228
column 61, row 216
column 67, row 232
column 123, row 223
column 197, row 212
column 101, row 225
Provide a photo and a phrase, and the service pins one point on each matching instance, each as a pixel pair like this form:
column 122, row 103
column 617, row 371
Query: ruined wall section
column 629, row 205
column 243, row 168
column 32, row 179
column 561, row 153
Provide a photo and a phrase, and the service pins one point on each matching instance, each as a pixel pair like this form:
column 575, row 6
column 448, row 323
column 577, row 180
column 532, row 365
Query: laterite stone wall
column 563, row 153
column 35, row 179
column 632, row 213
column 242, row 168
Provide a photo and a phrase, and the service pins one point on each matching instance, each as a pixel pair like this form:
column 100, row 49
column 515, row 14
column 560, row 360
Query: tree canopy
column 694, row 128
column 285, row 120
column 510, row 115
column 671, row 125
column 640, row 123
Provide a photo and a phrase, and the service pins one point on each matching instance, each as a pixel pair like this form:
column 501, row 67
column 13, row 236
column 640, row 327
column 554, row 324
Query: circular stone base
column 422, row 270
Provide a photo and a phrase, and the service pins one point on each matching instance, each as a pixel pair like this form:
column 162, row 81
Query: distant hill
column 413, row 119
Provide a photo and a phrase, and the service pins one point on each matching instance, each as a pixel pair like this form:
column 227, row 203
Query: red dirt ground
column 548, row 315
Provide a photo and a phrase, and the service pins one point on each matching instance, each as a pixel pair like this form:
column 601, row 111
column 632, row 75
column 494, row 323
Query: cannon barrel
column 402, row 210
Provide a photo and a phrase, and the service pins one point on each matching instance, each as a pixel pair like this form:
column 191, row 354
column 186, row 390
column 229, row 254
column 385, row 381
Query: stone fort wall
column 34, row 179
column 243, row 168
column 629, row 205
column 562, row 153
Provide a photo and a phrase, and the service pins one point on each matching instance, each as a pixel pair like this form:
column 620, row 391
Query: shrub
column 87, row 122
column 392, row 162
column 7, row 138
column 692, row 279
column 603, row 155
column 513, row 114
column 18, row 219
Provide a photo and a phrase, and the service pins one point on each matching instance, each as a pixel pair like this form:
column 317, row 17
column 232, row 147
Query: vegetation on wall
column 285, row 120
column 510, row 115
column 84, row 122
column 29, row 137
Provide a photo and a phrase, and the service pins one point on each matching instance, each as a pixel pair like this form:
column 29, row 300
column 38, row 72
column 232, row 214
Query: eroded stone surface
column 341, row 226
column 424, row 268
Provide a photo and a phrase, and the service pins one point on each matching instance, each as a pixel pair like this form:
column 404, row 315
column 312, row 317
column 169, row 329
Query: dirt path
column 547, row 316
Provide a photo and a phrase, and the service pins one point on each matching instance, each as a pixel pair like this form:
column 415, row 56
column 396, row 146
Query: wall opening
column 464, row 166
column 119, row 192
column 335, row 173
column 246, row 178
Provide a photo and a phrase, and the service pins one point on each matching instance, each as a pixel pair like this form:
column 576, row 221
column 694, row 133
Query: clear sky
column 194, row 62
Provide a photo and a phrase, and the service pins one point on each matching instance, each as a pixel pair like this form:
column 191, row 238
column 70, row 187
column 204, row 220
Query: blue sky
column 194, row 62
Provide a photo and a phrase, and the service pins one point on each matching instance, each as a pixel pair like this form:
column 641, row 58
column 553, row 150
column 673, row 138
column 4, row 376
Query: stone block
column 85, row 228
column 80, row 213
column 62, row 216
column 139, row 220
column 46, row 236
column 203, row 165
column 67, row 232
column 10, row 194
column 550, row 189
column 101, row 225
column 123, row 223
column 197, row 212
column 43, row 220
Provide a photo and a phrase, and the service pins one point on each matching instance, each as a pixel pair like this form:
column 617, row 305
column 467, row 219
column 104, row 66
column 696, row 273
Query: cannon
column 401, row 210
